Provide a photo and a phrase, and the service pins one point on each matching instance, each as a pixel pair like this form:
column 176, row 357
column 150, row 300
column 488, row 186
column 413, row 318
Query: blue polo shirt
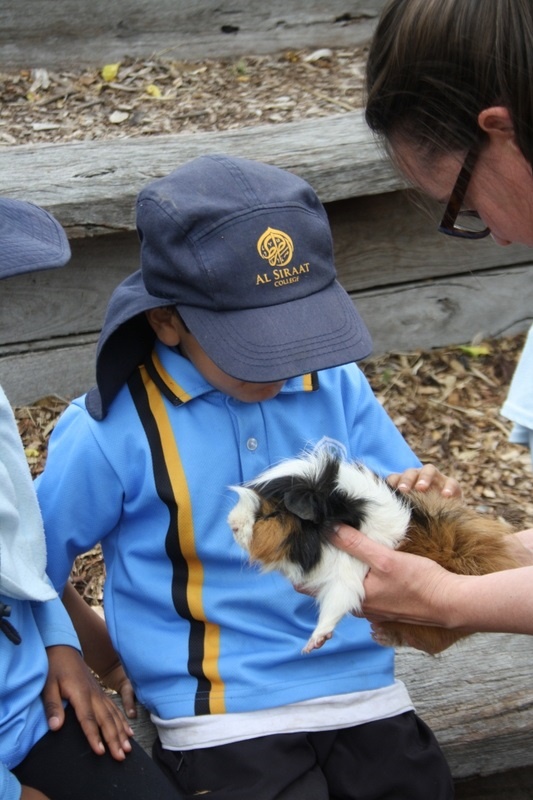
column 199, row 630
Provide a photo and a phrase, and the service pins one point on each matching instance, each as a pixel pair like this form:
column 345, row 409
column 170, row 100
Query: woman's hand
column 526, row 538
column 408, row 588
column 399, row 586
column 423, row 478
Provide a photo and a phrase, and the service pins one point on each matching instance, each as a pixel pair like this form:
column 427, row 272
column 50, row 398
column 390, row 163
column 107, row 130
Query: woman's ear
column 496, row 122
column 165, row 323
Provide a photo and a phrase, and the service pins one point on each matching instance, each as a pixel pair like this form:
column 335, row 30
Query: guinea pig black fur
column 285, row 517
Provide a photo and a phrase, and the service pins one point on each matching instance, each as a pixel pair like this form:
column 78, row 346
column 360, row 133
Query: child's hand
column 29, row 793
column 423, row 478
column 117, row 680
column 70, row 679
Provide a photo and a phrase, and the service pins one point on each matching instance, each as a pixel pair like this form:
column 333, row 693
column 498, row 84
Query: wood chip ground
column 147, row 97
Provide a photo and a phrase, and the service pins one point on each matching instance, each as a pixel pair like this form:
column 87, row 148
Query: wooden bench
column 478, row 699
column 74, row 32
column 413, row 286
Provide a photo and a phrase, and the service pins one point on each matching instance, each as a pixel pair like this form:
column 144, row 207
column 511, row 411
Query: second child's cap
column 244, row 251
column 31, row 239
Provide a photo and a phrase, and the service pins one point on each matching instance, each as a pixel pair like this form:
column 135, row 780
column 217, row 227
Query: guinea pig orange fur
column 284, row 520
column 462, row 541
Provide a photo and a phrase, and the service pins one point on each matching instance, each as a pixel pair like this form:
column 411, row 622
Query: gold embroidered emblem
column 275, row 247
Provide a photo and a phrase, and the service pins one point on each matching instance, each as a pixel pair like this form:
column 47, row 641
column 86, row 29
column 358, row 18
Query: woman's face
column 500, row 189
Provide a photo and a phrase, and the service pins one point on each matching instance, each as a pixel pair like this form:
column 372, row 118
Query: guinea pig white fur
column 284, row 519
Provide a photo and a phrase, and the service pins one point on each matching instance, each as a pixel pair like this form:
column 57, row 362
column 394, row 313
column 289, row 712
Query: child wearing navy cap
column 45, row 750
column 232, row 348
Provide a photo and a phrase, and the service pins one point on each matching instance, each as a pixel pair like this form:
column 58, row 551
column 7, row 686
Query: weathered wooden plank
column 401, row 317
column 91, row 186
column 72, row 301
column 380, row 241
column 515, row 784
column 478, row 699
column 452, row 310
column 50, row 34
column 389, row 238
column 68, row 302
column 65, row 369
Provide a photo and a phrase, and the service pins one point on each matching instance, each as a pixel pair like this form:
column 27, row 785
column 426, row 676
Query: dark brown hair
column 435, row 64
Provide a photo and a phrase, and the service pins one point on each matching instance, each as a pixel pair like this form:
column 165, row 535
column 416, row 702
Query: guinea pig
column 285, row 517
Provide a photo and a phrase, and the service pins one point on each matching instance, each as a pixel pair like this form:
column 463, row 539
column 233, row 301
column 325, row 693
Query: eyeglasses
column 459, row 222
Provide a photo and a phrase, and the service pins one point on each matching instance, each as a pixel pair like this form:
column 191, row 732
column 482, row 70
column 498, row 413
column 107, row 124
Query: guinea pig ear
column 302, row 503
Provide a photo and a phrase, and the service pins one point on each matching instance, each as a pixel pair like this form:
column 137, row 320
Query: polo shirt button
column 251, row 444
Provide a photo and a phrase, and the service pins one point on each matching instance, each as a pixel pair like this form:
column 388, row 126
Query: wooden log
column 44, row 33
column 478, row 699
column 449, row 311
column 513, row 784
column 400, row 318
column 91, row 186
column 413, row 287
column 381, row 245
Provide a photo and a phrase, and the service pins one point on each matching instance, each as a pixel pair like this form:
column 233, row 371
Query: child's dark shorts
column 391, row 759
column 63, row 767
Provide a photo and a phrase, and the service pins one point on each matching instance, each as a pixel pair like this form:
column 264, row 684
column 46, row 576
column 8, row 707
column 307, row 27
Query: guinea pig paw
column 316, row 642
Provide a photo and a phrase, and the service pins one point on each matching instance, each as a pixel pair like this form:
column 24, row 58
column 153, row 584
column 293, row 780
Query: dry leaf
column 475, row 350
column 153, row 90
column 110, row 72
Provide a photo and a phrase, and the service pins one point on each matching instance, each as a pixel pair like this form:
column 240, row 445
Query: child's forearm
column 28, row 793
column 98, row 650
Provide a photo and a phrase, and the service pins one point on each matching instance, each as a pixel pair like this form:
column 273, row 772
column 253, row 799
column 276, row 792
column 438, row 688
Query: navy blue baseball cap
column 244, row 252
column 31, row 239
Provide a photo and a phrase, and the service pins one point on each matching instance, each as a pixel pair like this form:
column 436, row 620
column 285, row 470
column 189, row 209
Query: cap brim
column 31, row 238
column 274, row 343
column 125, row 341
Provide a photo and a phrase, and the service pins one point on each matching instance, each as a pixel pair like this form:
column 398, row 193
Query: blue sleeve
column 54, row 624
column 79, row 494
column 518, row 405
column 10, row 788
column 375, row 439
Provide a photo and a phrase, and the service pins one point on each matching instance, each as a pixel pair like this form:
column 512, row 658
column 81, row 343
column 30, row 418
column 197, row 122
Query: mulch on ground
column 148, row 97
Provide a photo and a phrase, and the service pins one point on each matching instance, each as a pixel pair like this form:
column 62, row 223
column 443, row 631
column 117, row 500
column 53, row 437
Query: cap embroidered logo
column 276, row 247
